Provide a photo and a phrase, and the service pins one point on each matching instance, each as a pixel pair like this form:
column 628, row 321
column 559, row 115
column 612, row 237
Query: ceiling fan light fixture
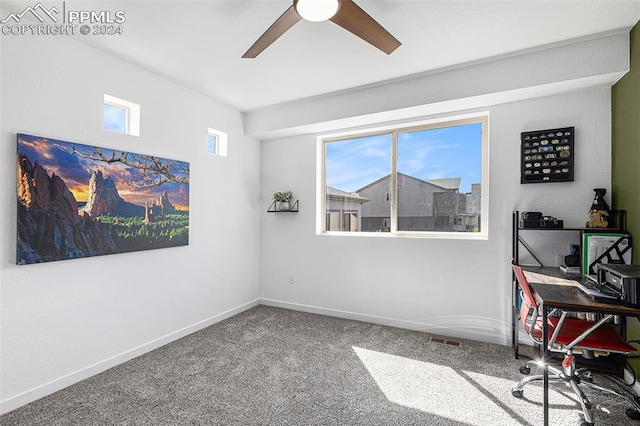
column 316, row 10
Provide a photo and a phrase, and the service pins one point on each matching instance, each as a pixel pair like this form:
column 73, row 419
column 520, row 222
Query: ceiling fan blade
column 355, row 20
column 287, row 20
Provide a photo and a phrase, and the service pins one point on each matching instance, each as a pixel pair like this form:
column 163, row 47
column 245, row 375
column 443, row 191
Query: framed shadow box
column 547, row 155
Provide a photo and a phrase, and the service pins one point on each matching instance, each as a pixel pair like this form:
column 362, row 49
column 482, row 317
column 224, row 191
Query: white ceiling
column 199, row 44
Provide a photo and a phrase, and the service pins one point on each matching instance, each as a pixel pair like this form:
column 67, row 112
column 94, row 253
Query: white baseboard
column 629, row 378
column 43, row 390
column 457, row 332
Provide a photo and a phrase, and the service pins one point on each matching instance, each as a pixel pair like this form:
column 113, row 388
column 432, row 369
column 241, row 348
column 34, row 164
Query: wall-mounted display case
column 547, row 155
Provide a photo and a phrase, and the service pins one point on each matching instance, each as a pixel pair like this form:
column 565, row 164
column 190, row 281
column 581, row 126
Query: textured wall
column 64, row 321
column 626, row 142
column 459, row 288
column 452, row 287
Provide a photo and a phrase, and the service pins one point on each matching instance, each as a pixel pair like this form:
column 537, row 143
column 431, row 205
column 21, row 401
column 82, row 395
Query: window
column 217, row 143
column 121, row 116
column 115, row 118
column 350, row 221
column 342, row 220
column 426, row 179
column 212, row 144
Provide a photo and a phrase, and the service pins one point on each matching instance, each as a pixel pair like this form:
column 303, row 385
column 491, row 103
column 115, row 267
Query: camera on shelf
column 538, row 220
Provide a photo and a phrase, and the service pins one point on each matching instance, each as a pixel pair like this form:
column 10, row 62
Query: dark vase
column 599, row 211
column 598, row 201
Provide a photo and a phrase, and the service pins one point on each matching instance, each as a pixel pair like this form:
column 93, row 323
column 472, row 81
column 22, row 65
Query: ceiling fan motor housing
column 316, row 10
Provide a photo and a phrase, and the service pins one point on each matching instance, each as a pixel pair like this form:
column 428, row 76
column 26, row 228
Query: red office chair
column 569, row 336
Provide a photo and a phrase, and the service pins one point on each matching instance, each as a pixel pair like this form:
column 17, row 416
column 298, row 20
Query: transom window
column 121, row 116
column 426, row 179
column 115, row 118
column 217, row 142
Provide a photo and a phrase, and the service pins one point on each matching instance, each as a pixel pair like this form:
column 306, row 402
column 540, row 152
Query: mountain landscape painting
column 77, row 200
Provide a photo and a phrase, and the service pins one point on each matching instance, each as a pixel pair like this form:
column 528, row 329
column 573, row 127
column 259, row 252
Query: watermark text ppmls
column 62, row 19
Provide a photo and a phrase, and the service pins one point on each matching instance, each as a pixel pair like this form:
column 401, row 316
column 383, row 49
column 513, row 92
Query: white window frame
column 132, row 114
column 222, row 140
column 483, row 234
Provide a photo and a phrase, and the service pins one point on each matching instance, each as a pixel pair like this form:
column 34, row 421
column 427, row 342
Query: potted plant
column 282, row 200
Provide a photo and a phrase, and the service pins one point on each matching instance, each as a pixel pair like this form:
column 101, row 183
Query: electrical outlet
column 291, row 279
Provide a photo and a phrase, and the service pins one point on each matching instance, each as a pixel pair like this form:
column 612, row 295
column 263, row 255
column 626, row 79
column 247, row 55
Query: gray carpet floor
column 271, row 366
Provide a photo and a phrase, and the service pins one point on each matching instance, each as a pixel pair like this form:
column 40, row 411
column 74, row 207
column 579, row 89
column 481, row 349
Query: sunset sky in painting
column 57, row 157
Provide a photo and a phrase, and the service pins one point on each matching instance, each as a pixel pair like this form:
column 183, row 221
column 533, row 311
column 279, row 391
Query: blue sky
column 211, row 144
column 449, row 152
column 354, row 163
column 114, row 118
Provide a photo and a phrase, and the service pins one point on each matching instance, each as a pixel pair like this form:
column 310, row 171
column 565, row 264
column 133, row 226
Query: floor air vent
column 446, row 341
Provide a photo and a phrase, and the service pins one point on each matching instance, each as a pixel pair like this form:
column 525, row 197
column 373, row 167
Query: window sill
column 419, row 235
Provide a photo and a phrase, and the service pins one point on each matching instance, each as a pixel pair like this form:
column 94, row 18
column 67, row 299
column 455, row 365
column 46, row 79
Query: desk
column 568, row 297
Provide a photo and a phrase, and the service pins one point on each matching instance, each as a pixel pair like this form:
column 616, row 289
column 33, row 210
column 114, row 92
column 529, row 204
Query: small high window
column 121, row 116
column 217, row 143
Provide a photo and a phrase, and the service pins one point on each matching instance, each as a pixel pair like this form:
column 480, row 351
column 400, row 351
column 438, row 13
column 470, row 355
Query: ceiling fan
column 345, row 13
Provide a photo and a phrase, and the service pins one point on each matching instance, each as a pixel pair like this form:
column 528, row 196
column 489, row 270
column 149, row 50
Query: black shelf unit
column 619, row 220
column 274, row 209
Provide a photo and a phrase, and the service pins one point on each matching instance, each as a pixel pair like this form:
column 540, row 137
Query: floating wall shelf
column 273, row 208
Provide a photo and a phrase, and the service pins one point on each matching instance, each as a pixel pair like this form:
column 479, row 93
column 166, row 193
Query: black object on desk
column 622, row 280
column 598, row 293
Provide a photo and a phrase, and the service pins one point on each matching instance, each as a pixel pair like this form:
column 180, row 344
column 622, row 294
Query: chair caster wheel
column 583, row 422
column 517, row 393
column 525, row 370
column 633, row 414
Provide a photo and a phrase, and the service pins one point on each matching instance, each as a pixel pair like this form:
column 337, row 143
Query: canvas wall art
column 76, row 200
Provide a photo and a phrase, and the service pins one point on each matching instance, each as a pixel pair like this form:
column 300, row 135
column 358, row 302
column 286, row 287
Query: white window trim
column 132, row 111
column 217, row 143
column 450, row 121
